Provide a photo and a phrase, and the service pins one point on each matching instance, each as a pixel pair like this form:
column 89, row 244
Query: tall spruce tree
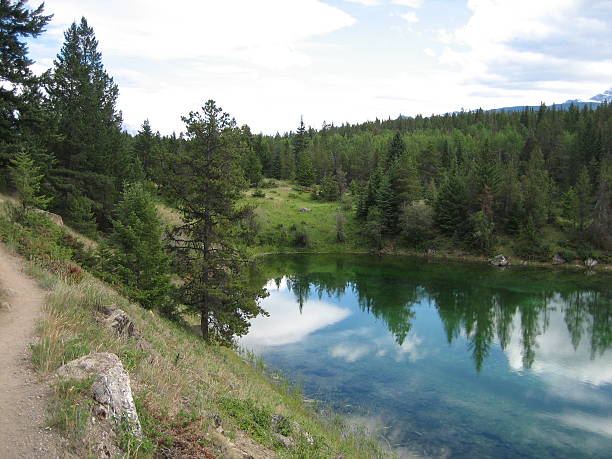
column 140, row 262
column 205, row 180
column 18, row 86
column 92, row 157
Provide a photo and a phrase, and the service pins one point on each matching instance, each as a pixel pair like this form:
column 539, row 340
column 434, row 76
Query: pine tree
column 18, row 86
column 90, row 149
column 450, row 207
column 205, row 180
column 304, row 169
column 140, row 261
column 27, row 179
column 146, row 149
column 384, row 203
column 601, row 227
column 396, row 149
column 536, row 189
column 584, row 199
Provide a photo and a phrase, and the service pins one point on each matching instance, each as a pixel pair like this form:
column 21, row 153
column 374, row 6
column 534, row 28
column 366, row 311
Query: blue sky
column 268, row 62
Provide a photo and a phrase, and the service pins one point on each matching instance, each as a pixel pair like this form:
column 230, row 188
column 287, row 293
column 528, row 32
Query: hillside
column 194, row 399
column 282, row 224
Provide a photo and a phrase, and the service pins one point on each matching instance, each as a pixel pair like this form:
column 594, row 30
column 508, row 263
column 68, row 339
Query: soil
column 23, row 395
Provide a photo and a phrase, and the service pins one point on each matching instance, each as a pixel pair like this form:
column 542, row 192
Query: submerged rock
column 558, row 259
column 499, row 260
column 111, row 386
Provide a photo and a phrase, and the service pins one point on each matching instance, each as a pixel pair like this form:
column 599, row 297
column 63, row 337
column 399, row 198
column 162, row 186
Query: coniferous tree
column 27, row 181
column 583, row 198
column 396, row 149
column 536, row 189
column 18, row 86
column 92, row 158
column 205, row 180
column 140, row 262
column 450, row 207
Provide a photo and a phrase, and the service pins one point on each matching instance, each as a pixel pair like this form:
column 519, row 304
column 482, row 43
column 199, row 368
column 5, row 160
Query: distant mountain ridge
column 593, row 102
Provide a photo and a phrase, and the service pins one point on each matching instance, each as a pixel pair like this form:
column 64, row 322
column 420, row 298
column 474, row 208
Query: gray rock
column 111, row 387
column 590, row 262
column 57, row 219
column 304, row 209
column 286, row 441
column 558, row 259
column 499, row 260
column 119, row 321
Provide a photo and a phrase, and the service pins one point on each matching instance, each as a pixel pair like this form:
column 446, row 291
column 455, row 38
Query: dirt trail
column 23, row 398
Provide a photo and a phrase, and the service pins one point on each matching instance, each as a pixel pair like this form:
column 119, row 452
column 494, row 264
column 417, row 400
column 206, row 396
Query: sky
column 269, row 62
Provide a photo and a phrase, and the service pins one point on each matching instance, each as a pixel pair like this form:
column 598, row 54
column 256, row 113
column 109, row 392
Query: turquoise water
column 446, row 359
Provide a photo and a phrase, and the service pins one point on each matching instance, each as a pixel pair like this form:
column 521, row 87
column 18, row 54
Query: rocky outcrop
column 57, row 219
column 111, row 387
column 558, row 259
column 590, row 262
column 500, row 261
column 119, row 321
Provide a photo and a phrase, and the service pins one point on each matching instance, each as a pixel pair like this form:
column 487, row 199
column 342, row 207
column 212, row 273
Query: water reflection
column 509, row 308
column 461, row 361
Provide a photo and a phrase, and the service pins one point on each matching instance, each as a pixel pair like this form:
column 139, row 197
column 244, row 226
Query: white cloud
column 410, row 17
column 429, row 52
column 259, row 32
column 556, row 359
column 365, row 2
column 525, row 44
column 286, row 325
column 409, row 3
column 349, row 352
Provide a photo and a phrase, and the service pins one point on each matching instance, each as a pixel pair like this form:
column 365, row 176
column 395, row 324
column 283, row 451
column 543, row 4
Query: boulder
column 111, row 386
column 558, row 259
column 304, row 209
column 119, row 321
column 590, row 262
column 57, row 219
column 499, row 260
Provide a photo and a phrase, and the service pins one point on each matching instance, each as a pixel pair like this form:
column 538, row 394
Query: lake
column 443, row 359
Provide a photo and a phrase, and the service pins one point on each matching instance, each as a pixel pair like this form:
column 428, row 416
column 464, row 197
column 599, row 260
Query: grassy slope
column 188, row 382
column 278, row 211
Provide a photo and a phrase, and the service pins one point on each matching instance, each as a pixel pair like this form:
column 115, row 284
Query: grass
column 279, row 220
column 181, row 389
column 190, row 379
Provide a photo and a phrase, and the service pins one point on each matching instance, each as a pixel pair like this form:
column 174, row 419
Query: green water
column 445, row 359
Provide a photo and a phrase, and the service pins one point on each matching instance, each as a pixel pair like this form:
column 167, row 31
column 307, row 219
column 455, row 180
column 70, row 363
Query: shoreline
column 600, row 268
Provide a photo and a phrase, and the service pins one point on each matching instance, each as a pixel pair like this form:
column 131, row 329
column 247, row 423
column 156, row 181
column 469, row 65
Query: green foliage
column 482, row 231
column 301, row 236
column 416, row 223
column 72, row 406
column 19, row 95
column 205, row 181
column 138, row 259
column 250, row 418
column 450, row 207
column 27, row 180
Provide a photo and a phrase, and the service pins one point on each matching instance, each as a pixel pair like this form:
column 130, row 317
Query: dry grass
column 188, row 379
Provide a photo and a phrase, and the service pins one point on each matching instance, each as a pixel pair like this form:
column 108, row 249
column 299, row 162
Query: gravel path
column 23, row 397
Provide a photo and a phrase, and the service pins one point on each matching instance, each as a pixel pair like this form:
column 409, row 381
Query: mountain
column 593, row 102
